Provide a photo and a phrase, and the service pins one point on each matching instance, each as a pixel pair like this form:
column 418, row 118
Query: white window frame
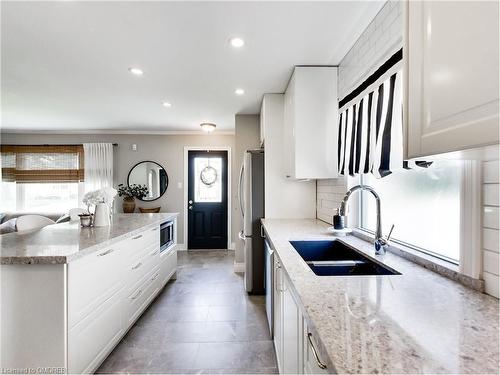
column 470, row 224
column 21, row 194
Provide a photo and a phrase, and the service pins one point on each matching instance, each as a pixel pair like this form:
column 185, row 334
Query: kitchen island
column 415, row 322
column 69, row 294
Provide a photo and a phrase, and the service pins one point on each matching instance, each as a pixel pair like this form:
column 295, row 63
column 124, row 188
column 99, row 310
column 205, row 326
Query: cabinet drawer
column 136, row 270
column 94, row 337
column 168, row 265
column 92, row 280
column 146, row 238
column 140, row 298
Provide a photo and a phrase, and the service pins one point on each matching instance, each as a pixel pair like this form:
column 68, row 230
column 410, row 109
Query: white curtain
column 98, row 159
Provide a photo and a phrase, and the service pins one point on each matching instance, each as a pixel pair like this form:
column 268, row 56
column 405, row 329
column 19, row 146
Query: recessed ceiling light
column 136, row 71
column 208, row 127
column 167, row 104
column 239, row 92
column 237, row 42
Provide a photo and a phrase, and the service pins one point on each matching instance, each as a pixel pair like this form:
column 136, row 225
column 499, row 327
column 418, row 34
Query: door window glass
column 207, row 180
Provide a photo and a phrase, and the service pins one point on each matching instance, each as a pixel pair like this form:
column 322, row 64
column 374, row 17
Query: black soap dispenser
column 338, row 220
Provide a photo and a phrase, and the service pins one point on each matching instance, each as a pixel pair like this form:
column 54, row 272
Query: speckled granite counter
column 63, row 243
column 417, row 322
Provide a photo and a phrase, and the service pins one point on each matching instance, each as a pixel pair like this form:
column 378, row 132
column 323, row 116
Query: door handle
column 190, row 207
column 240, row 193
column 190, row 201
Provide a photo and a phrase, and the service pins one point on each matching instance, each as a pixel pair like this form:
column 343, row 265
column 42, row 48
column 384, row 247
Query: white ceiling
column 64, row 63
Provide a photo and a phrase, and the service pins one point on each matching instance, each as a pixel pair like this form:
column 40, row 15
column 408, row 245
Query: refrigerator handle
column 240, row 193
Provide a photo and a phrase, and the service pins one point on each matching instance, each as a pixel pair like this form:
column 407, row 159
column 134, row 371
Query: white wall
column 167, row 150
column 491, row 226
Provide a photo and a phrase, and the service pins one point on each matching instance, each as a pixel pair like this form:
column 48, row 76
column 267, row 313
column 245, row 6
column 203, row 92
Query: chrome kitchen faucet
column 380, row 243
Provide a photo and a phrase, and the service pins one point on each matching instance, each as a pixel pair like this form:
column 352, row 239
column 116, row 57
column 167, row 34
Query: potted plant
column 102, row 200
column 129, row 193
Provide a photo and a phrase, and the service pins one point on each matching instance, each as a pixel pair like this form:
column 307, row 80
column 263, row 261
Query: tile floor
column 204, row 322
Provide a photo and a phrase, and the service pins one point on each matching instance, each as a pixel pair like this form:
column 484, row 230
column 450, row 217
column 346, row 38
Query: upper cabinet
column 452, row 69
column 311, row 123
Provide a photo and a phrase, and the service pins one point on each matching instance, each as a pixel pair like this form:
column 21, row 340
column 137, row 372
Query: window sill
column 442, row 267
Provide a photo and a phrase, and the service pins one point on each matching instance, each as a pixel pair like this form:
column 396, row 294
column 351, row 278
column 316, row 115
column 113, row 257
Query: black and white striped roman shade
column 370, row 138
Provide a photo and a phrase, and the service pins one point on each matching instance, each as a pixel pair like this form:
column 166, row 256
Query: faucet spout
column 380, row 243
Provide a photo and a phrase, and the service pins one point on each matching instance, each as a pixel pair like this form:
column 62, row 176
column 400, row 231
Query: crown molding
column 117, row 132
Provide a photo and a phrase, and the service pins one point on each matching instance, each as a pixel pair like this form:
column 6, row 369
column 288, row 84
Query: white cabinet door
column 91, row 339
column 289, row 130
column 292, row 331
column 311, row 124
column 278, row 314
column 453, row 100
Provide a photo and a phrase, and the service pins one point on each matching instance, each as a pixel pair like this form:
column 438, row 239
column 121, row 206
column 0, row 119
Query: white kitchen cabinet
column 278, row 314
column 295, row 346
column 287, row 325
column 311, row 124
column 91, row 339
column 452, row 71
column 86, row 293
column 292, row 331
column 262, row 124
column 72, row 315
column 168, row 265
column 281, row 193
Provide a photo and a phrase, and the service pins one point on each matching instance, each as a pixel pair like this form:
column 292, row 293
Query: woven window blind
column 26, row 163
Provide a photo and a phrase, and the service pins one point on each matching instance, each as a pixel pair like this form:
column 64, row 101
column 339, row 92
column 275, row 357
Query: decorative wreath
column 208, row 175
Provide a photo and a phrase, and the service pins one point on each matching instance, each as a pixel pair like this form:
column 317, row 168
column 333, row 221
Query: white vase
column 101, row 215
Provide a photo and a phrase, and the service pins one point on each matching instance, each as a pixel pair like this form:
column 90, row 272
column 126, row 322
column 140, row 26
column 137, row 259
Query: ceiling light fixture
column 208, row 127
column 237, row 42
column 167, row 104
column 136, row 71
column 239, row 92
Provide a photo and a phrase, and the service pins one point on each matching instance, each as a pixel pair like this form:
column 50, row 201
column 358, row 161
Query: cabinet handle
column 155, row 277
column 320, row 364
column 105, row 253
column 139, row 292
column 278, row 268
column 137, row 266
column 154, row 229
column 137, row 237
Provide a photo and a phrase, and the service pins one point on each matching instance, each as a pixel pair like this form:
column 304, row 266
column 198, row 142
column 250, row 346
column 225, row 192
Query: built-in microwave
column 166, row 235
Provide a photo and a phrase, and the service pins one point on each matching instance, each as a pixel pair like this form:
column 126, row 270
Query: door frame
column 229, row 196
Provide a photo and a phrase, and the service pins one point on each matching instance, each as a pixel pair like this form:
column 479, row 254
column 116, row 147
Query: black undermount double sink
column 334, row 258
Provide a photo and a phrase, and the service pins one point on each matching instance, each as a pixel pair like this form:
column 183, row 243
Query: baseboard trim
column 181, row 247
column 232, row 246
column 239, row 267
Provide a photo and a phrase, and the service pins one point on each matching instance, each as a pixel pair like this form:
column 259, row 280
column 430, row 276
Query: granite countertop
column 416, row 322
column 66, row 242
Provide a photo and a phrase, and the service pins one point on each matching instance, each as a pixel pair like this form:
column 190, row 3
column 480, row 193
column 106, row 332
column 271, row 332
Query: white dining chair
column 74, row 212
column 30, row 222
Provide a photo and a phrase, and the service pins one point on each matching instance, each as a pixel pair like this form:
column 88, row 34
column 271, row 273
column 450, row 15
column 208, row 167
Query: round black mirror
column 151, row 174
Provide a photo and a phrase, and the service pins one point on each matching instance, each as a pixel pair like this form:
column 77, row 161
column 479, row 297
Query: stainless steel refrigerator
column 251, row 199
